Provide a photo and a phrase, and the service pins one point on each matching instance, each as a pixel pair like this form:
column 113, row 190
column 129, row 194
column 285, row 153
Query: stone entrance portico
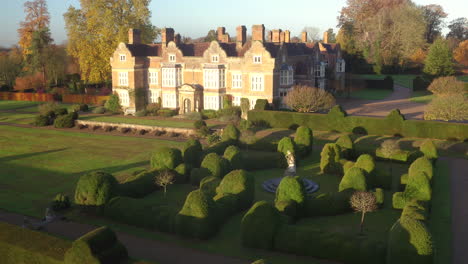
column 190, row 98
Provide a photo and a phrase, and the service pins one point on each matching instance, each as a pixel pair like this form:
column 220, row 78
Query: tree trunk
column 361, row 226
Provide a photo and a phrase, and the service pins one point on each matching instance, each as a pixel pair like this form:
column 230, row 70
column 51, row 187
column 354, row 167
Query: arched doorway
column 187, row 106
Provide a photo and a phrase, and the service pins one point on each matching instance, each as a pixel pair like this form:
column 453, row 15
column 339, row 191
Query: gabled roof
column 328, row 47
column 143, row 50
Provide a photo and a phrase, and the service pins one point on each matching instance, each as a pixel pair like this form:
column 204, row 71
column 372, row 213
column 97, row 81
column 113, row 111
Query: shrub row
column 337, row 120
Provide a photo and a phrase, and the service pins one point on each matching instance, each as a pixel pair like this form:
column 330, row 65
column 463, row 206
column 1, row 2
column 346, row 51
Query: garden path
column 459, row 196
column 138, row 247
column 399, row 99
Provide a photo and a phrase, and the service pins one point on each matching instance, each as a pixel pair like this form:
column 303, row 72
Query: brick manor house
column 195, row 76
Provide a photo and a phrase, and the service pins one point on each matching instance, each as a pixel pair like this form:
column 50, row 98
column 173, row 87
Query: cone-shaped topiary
column 197, row 218
column 166, row 158
column 286, row 145
column 95, row 188
column 367, row 163
column 234, row 156
column 429, row 149
column 192, row 152
column 241, row 184
column 217, row 165
column 230, row 132
column 353, row 179
column 330, row 158
column 346, row 145
column 303, row 140
column 291, row 188
column 421, row 164
column 259, row 226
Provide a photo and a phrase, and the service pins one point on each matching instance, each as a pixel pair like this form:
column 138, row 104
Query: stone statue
column 291, row 170
column 49, row 215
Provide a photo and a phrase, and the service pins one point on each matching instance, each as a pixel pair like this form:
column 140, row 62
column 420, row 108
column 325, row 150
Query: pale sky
column 196, row 18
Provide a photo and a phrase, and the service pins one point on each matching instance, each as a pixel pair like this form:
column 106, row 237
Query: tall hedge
column 241, row 184
column 139, row 185
column 286, row 145
column 259, row 226
column 99, row 246
column 429, row 149
column 355, row 178
column 230, row 132
column 95, row 188
column 330, row 158
column 197, row 218
column 421, row 164
column 337, row 120
column 326, row 204
column 303, row 140
column 166, row 158
column 218, row 166
column 192, row 152
column 346, row 145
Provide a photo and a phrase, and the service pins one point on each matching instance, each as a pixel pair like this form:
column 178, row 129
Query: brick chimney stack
column 241, row 36
column 177, row 39
column 304, row 37
column 282, row 37
column 276, row 35
column 134, row 36
column 258, row 33
column 270, row 36
column 287, row 36
column 167, row 35
column 222, row 36
column 325, row 37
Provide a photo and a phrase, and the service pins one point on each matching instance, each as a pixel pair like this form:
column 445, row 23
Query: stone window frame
column 257, row 59
column 215, row 58
column 236, row 80
column 257, row 82
column 123, row 57
column 214, row 78
column 172, row 57
column 153, row 80
column 123, row 78
column 124, row 97
column 171, row 77
column 211, row 102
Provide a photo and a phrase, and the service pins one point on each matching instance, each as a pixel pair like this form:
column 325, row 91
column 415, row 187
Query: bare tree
column 164, row 179
column 306, row 99
column 363, row 202
column 313, row 33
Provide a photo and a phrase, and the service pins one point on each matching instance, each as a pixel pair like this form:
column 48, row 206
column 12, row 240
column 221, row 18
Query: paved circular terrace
column 272, row 184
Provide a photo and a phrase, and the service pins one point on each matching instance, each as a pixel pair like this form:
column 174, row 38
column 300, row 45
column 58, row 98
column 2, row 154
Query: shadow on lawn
column 27, row 155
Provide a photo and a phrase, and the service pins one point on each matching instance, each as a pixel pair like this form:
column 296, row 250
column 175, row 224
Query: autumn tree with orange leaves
column 37, row 18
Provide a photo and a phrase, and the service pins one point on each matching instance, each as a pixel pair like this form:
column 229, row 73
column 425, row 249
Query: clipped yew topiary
column 230, row 132
column 330, row 158
column 241, row 184
column 262, row 104
column 234, row 156
column 417, row 188
column 346, row 145
column 367, row 163
column 429, row 149
column 65, row 121
column 303, row 140
column 217, row 165
column 95, row 188
column 347, row 165
column 197, row 218
column 41, row 120
column 192, row 152
column 198, row 174
column 259, row 226
column 421, row 164
column 209, row 184
column 410, row 241
column 166, row 158
column 286, row 145
column 182, row 173
column 355, row 179
column 291, row 188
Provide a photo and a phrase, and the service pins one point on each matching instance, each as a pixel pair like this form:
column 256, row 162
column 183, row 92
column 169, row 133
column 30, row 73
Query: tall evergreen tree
column 439, row 60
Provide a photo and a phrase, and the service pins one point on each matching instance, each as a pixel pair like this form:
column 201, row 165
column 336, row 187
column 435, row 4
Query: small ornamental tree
column 461, row 53
column 164, row 178
column 447, row 86
column 113, row 104
column 447, row 108
column 307, row 99
column 363, row 202
column 439, row 59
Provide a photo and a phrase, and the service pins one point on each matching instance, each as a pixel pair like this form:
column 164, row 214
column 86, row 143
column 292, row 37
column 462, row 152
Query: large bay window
column 171, row 77
column 236, row 80
column 124, row 97
column 286, row 75
column 123, row 78
column 211, row 102
column 257, row 83
column 169, row 100
column 214, row 78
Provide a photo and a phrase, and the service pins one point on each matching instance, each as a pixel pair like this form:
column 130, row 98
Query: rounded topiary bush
column 182, row 173
column 286, row 145
column 259, row 226
column 234, row 156
column 217, row 165
column 192, row 152
column 41, row 120
column 65, row 121
column 199, row 124
column 330, row 158
column 113, row 104
column 60, row 202
column 209, row 184
column 99, row 110
column 354, row 178
column 347, row 165
column 95, row 188
column 291, row 188
column 429, row 149
column 241, row 184
column 367, row 163
column 303, row 140
column 421, row 164
column 230, row 132
column 60, row 111
column 262, row 104
column 197, row 218
column 166, row 158
column 346, row 145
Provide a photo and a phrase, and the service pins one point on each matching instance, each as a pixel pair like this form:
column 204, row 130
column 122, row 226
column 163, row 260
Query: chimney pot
column 258, row 33
column 304, row 37
column 241, row 35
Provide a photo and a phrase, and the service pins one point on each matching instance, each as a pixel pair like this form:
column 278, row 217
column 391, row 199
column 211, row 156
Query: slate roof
column 144, row 50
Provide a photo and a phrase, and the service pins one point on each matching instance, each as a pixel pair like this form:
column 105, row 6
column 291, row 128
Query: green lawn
column 17, row 118
column 12, row 105
column 423, row 97
column 371, row 94
column 139, row 121
column 463, row 78
column 37, row 164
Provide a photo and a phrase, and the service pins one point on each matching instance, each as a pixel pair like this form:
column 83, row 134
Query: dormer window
column 172, row 58
column 123, row 57
column 215, row 58
column 257, row 59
